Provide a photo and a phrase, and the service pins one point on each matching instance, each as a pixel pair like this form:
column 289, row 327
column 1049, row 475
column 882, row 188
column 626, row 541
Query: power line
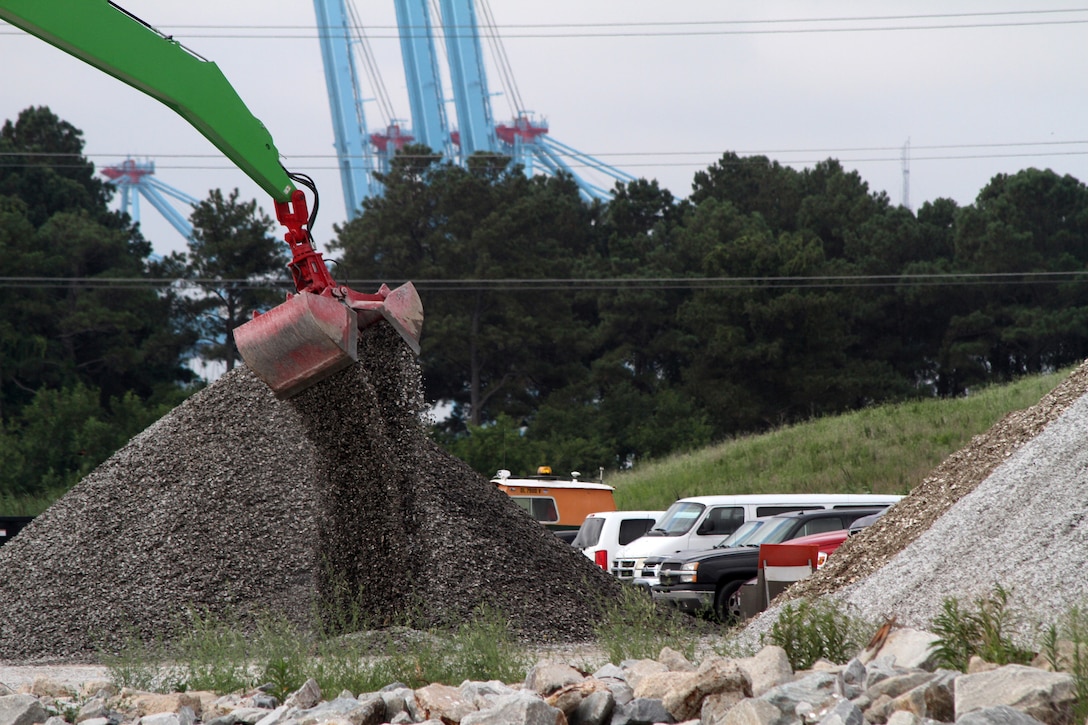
column 744, row 152
column 658, row 34
column 658, row 23
column 585, row 284
column 690, row 28
column 627, row 158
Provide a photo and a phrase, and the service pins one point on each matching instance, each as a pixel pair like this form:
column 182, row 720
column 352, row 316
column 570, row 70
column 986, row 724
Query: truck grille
column 669, row 572
column 624, row 568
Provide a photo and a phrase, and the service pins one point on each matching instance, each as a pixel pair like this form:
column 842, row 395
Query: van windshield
column 678, row 520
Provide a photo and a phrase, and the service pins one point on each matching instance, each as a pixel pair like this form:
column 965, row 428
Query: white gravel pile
column 1022, row 526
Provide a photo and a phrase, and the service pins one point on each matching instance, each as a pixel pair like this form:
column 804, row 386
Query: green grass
column 11, row 505
column 884, row 449
column 215, row 654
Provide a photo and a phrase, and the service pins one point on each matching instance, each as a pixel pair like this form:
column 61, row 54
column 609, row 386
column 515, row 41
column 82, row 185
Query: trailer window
column 539, row 507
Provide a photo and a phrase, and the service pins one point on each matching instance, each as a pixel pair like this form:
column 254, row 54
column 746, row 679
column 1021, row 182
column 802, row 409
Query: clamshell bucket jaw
column 400, row 307
column 315, row 332
column 299, row 343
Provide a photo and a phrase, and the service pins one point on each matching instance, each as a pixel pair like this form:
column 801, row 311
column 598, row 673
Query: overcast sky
column 657, row 89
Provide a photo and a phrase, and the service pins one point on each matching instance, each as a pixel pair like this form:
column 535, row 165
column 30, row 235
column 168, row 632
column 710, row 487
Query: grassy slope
column 885, row 449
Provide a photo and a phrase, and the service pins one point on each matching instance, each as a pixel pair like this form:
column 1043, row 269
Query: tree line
column 578, row 334
column 96, row 332
column 575, row 333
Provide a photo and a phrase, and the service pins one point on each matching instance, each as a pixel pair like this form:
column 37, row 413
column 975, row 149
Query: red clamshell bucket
column 299, row 343
column 315, row 332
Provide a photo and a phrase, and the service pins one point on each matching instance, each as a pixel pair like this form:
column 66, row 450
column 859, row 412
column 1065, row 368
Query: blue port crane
column 135, row 179
column 430, row 125
column 476, row 130
column 353, row 151
column 525, row 139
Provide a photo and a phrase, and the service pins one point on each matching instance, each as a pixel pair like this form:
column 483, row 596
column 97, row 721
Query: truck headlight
column 689, row 572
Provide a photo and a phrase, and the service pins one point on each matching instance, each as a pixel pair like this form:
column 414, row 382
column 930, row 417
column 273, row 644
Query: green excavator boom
column 118, row 43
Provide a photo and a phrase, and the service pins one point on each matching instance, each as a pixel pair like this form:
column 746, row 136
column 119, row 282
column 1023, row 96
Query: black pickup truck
column 703, row 582
column 11, row 525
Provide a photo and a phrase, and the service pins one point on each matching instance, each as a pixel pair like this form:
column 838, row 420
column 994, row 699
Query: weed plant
column 812, row 630
column 984, row 632
column 1065, row 647
column 219, row 655
column 634, row 627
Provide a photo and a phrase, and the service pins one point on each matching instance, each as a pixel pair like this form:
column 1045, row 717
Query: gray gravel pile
column 1009, row 510
column 239, row 505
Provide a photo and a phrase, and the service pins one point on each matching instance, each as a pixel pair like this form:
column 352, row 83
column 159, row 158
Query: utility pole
column 905, row 158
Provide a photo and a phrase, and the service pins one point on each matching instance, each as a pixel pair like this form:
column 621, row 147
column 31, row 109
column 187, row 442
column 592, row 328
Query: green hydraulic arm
column 118, row 43
column 314, row 333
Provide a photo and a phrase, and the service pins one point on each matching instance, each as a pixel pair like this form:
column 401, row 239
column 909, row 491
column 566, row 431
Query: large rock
column 813, row 690
column 933, row 699
column 768, row 668
column 909, row 647
column 21, row 710
column 1046, row 696
column 520, row 708
column 748, row 712
column 716, row 676
column 443, row 702
column 547, row 677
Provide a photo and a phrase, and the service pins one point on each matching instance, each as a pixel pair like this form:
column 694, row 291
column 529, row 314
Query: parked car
column 604, row 532
column 11, row 525
column 747, row 602
column 646, row 577
column 704, row 582
column 700, row 522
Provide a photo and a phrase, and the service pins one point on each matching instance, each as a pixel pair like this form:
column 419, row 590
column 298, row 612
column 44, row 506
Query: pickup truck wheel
column 723, row 610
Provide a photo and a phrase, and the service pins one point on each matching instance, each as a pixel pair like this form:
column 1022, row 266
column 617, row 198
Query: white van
column 700, row 522
column 602, row 534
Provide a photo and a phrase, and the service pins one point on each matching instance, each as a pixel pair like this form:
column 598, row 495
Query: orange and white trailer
column 561, row 504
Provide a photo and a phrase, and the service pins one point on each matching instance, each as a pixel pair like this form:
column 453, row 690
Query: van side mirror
column 707, row 527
